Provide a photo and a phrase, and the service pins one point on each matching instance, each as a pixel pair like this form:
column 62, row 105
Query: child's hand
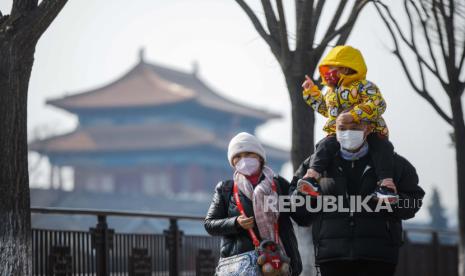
column 308, row 83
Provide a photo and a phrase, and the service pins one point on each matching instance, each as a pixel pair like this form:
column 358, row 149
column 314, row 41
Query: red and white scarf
column 265, row 220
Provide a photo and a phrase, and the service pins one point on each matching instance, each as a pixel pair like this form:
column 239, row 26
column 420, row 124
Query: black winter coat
column 362, row 235
column 221, row 221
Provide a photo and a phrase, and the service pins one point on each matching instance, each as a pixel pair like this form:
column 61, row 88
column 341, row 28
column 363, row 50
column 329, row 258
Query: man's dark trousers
column 357, row 268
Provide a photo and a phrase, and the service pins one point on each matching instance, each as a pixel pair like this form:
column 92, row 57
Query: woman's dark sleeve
column 217, row 222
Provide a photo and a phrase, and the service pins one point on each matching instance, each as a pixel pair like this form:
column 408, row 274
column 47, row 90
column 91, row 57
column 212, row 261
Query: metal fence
column 437, row 255
column 101, row 251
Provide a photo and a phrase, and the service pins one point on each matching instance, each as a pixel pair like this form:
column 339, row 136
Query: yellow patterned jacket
column 354, row 92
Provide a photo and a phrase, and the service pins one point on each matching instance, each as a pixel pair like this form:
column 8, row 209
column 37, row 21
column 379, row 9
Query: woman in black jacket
column 254, row 181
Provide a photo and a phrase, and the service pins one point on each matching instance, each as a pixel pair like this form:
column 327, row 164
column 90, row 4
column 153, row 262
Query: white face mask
column 350, row 139
column 247, row 165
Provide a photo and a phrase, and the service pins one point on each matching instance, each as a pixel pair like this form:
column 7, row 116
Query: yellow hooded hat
column 344, row 56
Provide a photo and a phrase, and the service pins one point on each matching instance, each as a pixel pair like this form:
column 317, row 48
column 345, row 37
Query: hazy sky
column 94, row 42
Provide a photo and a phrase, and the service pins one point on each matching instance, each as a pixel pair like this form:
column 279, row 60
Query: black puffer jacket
column 221, row 221
column 362, row 235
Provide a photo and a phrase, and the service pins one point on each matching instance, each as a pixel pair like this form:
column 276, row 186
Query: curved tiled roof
column 125, row 138
column 137, row 138
column 139, row 87
column 150, row 85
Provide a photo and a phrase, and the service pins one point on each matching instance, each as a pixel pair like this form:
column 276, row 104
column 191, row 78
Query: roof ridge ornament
column 195, row 68
column 141, row 54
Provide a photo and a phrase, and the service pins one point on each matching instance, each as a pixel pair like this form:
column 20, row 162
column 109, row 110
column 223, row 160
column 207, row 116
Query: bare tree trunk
column 303, row 119
column 19, row 34
column 15, row 237
column 459, row 132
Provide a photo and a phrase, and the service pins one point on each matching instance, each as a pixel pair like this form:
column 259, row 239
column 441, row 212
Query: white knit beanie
column 245, row 142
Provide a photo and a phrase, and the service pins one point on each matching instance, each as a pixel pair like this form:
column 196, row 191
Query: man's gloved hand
column 389, row 183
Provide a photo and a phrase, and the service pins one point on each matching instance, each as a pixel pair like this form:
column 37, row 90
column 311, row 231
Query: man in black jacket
column 358, row 242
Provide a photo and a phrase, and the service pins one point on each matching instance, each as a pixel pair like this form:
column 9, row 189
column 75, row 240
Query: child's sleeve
column 314, row 98
column 372, row 104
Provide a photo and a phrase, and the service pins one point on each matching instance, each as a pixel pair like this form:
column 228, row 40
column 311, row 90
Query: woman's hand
column 245, row 222
column 308, row 83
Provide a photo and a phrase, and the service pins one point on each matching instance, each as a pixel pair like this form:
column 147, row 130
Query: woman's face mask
column 350, row 139
column 247, row 165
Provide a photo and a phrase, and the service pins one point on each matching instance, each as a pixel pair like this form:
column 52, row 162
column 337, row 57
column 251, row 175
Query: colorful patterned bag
column 244, row 264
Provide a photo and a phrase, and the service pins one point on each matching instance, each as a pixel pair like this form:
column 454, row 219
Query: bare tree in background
column 303, row 59
column 435, row 37
column 36, row 160
column 19, row 34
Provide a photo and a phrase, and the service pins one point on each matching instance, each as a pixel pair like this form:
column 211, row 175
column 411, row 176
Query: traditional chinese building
column 153, row 131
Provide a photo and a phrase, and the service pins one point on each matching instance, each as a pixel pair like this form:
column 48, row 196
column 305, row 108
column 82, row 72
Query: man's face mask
column 350, row 139
column 332, row 77
column 247, row 165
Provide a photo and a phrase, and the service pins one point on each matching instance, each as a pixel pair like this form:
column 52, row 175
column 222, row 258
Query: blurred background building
column 154, row 133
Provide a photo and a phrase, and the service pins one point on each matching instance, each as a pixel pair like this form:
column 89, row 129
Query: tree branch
column 345, row 29
column 462, row 58
column 358, row 6
column 298, row 9
column 299, row 12
column 283, row 34
column 337, row 16
column 21, row 6
column 324, row 43
column 406, row 41
column 3, row 18
column 451, row 9
column 427, row 96
column 424, row 25
column 275, row 48
column 422, row 92
column 303, row 26
column 271, row 20
column 439, row 30
column 450, row 38
column 461, row 88
column 44, row 16
column 414, row 44
column 316, row 19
